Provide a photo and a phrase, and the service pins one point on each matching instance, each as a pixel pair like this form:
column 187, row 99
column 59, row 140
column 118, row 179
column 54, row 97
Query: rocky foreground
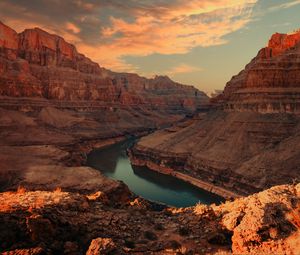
column 60, row 222
column 250, row 140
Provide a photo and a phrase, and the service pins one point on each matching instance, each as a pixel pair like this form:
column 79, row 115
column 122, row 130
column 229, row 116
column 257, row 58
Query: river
column 114, row 163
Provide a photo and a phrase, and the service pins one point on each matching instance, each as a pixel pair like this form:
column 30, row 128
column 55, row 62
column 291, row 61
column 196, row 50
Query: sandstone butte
column 56, row 105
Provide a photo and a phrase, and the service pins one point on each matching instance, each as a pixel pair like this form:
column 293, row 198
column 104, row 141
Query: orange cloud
column 72, row 27
column 179, row 69
column 167, row 27
column 183, row 68
column 175, row 31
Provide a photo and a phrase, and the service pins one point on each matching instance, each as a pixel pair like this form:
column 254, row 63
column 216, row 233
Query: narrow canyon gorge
column 57, row 105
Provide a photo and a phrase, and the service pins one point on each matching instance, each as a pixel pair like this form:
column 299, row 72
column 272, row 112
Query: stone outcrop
column 64, row 222
column 270, row 82
column 41, row 48
column 8, row 38
column 102, row 246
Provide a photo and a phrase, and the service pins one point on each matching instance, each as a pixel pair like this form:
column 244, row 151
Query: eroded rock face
column 35, row 63
column 43, row 49
column 8, row 39
column 280, row 43
column 271, row 81
column 263, row 224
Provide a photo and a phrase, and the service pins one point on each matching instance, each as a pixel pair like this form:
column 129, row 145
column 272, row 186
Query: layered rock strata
column 37, row 64
column 239, row 152
column 270, row 83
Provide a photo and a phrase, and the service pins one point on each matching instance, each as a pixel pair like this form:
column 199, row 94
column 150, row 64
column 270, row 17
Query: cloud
column 183, row 68
column 281, row 24
column 285, row 5
column 109, row 30
column 72, row 27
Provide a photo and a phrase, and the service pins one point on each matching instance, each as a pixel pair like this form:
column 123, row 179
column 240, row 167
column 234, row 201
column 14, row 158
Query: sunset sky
column 197, row 42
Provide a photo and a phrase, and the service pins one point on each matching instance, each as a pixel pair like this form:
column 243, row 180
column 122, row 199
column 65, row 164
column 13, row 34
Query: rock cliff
column 35, row 63
column 271, row 81
column 240, row 152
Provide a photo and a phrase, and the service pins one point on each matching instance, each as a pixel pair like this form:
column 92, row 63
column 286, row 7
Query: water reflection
column 113, row 162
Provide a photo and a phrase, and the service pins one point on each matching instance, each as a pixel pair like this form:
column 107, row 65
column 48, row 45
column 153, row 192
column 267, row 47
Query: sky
column 196, row 42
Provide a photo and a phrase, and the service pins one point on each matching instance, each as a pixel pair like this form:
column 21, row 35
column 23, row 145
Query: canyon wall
column 37, row 64
column 250, row 140
column 270, row 82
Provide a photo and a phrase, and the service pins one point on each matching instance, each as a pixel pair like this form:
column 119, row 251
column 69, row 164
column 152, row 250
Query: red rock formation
column 44, row 49
column 8, row 41
column 280, row 43
column 271, row 81
column 35, row 63
column 101, row 246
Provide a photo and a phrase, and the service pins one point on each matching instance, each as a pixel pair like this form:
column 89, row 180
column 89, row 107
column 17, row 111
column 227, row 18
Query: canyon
column 56, row 105
column 249, row 140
